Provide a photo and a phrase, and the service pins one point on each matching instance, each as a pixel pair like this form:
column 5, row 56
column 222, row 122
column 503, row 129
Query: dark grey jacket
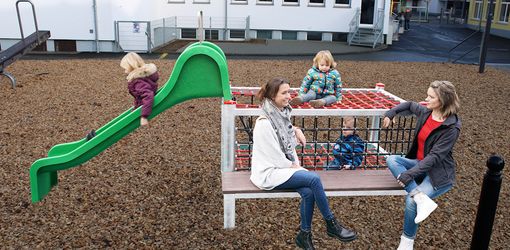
column 438, row 161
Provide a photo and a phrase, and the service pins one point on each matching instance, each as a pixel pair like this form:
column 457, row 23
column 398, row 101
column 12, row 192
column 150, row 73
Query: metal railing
column 460, row 43
column 167, row 29
column 378, row 27
column 354, row 26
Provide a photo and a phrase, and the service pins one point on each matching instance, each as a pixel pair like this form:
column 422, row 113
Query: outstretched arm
column 403, row 109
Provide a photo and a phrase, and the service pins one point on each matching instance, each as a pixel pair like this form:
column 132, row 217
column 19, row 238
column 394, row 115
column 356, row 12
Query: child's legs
column 311, row 95
column 329, row 99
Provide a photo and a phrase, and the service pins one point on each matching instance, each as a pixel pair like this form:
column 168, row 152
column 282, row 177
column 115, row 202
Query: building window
column 264, row 34
column 339, row 37
column 342, row 3
column 65, row 45
column 289, row 35
column 314, row 36
column 318, row 3
column 239, row 1
column 211, row 34
column 237, row 34
column 189, row 33
column 265, row 2
column 175, row 1
column 201, row 1
column 290, row 2
column 478, row 9
column 504, row 11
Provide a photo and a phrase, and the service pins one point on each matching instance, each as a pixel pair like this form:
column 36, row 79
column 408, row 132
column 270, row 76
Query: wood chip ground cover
column 160, row 186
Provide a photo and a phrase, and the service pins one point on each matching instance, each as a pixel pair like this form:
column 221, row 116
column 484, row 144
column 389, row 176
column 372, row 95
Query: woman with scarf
column 275, row 165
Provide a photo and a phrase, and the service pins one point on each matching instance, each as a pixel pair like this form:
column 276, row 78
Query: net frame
column 321, row 127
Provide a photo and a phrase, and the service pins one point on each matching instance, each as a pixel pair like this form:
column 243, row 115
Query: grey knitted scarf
column 280, row 120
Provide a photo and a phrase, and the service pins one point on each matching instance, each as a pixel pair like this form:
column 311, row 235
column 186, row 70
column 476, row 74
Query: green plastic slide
column 200, row 71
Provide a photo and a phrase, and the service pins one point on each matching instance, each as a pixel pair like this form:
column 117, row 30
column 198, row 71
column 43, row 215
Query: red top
column 425, row 131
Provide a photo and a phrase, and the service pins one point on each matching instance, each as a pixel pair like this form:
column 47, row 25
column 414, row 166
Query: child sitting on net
column 322, row 84
column 142, row 83
column 348, row 149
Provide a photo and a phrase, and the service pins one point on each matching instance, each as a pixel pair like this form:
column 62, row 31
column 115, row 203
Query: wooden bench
column 237, row 185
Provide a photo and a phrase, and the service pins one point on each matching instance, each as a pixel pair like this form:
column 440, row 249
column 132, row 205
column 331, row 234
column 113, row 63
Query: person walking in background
column 428, row 169
column 275, row 164
column 407, row 18
column 142, row 83
column 322, row 84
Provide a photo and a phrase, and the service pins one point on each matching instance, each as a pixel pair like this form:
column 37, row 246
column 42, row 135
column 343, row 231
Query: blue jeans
column 398, row 165
column 309, row 186
column 311, row 95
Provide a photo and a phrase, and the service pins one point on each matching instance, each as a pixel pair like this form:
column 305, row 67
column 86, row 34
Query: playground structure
column 25, row 45
column 185, row 83
column 321, row 127
column 201, row 71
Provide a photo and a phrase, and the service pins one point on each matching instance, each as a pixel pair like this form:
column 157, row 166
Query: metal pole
column 200, row 26
column 485, row 40
column 96, row 34
column 226, row 22
column 488, row 203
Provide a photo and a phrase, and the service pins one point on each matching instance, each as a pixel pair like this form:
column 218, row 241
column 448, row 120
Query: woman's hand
column 387, row 122
column 403, row 179
column 300, row 137
column 144, row 121
column 400, row 182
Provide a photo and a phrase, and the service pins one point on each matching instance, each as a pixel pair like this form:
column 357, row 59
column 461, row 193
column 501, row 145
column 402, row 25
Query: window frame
column 176, row 1
column 269, row 32
column 189, row 29
column 237, row 38
column 264, row 2
column 212, row 34
column 296, row 3
column 477, row 11
column 287, row 33
column 202, row 1
column 506, row 9
column 323, row 4
column 240, row 2
column 343, row 5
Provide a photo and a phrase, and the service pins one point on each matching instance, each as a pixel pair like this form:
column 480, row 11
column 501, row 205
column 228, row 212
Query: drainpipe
column 96, row 35
column 225, row 31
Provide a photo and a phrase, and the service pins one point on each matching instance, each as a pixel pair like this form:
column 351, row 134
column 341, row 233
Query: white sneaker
column 405, row 243
column 424, row 206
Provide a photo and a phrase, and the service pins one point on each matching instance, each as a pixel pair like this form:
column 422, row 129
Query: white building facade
column 140, row 25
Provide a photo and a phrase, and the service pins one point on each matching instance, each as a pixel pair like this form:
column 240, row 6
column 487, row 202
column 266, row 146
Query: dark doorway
column 367, row 11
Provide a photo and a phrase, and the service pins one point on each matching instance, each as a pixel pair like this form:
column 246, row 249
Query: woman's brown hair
column 270, row 89
column 447, row 95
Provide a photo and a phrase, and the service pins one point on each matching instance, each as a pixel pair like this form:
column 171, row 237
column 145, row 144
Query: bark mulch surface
column 160, row 186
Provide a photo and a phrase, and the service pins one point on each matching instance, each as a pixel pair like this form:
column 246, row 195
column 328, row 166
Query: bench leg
column 229, row 211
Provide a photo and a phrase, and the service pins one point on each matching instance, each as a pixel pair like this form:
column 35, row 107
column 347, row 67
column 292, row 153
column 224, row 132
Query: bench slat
column 343, row 180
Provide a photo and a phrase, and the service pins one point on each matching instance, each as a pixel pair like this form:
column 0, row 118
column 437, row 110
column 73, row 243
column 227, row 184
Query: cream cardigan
column 269, row 166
